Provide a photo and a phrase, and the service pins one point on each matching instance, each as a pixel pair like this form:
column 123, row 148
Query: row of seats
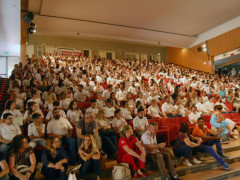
column 170, row 126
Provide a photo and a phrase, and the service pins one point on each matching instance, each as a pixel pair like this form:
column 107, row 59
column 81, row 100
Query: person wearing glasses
column 7, row 132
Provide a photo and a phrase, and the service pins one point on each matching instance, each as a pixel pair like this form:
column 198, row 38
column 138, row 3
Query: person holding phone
column 156, row 153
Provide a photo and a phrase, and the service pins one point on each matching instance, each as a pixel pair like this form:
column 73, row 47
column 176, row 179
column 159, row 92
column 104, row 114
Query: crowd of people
column 80, row 109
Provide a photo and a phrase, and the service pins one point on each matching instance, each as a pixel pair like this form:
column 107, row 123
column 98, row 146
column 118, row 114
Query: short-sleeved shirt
column 50, row 114
column 130, row 142
column 8, row 132
column 148, row 139
column 194, row 116
column 59, row 127
column 32, row 131
column 140, row 122
column 87, row 128
column 74, row 115
column 198, row 132
column 116, row 123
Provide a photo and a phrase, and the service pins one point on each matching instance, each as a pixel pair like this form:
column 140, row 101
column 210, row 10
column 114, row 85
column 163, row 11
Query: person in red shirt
column 131, row 151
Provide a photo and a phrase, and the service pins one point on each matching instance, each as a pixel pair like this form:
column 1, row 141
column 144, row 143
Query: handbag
column 23, row 169
column 72, row 175
column 121, row 171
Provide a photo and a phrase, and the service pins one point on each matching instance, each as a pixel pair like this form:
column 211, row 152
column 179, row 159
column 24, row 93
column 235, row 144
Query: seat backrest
column 180, row 120
column 207, row 118
column 235, row 116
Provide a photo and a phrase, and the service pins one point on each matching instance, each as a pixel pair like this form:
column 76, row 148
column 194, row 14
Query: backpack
column 121, row 171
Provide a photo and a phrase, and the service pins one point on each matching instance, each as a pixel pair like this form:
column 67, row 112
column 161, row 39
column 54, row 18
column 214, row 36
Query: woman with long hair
column 107, row 134
column 74, row 114
column 54, row 159
column 90, row 156
column 22, row 160
column 131, row 151
column 32, row 108
column 184, row 145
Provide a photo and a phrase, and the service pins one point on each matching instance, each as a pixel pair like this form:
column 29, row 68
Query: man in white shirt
column 209, row 105
column 7, row 132
column 36, row 131
column 194, row 115
column 121, row 94
column 168, row 109
column 50, row 116
column 109, row 110
column 81, row 94
column 61, row 128
column 93, row 110
column 201, row 107
column 140, row 123
column 156, row 152
column 107, row 92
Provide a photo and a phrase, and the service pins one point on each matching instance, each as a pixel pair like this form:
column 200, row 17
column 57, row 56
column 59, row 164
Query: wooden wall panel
column 191, row 58
column 225, row 42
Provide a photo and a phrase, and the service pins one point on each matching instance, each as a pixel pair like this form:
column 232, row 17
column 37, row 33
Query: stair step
column 207, row 164
column 215, row 174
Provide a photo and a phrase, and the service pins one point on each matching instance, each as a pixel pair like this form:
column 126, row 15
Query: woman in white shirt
column 153, row 110
column 107, row 134
column 100, row 101
column 49, row 94
column 118, row 122
column 65, row 102
column 74, row 114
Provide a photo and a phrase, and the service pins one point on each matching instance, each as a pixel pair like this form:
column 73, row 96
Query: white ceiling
column 170, row 22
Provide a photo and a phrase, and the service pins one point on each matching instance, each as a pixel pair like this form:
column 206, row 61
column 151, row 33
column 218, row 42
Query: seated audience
column 140, row 123
column 126, row 111
column 93, row 110
column 201, row 106
column 88, row 126
column 8, row 131
column 21, row 155
column 168, row 109
column 36, row 131
column 61, row 128
column 109, row 110
column 90, row 156
column 54, row 159
column 118, row 122
column 131, row 151
column 107, row 134
column 32, row 108
column 153, row 110
column 156, row 152
column 17, row 115
column 185, row 145
column 74, row 114
column 209, row 138
column 50, row 116
column 194, row 115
